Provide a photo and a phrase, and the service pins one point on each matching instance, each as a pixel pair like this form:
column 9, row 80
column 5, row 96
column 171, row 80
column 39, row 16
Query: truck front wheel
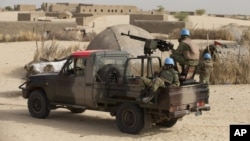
column 129, row 118
column 167, row 123
column 38, row 105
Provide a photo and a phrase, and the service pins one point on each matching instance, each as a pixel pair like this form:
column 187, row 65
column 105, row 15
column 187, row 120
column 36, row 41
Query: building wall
column 149, row 17
column 25, row 8
column 107, row 9
column 188, row 12
column 30, row 16
column 164, row 27
column 83, row 21
column 45, row 6
column 63, row 7
column 59, row 7
column 6, row 27
column 52, row 14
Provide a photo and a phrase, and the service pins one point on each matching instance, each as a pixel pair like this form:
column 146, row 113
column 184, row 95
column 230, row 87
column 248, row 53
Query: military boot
column 142, row 94
column 151, row 95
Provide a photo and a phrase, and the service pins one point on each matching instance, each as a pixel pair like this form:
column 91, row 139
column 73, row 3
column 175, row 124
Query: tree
column 8, row 8
column 200, row 11
column 181, row 16
column 160, row 8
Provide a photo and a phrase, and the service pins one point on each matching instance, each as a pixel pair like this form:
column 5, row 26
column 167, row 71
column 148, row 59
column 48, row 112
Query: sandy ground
column 229, row 105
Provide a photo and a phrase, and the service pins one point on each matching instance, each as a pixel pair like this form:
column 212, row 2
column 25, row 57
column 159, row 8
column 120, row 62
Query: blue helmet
column 207, row 56
column 169, row 61
column 185, row 32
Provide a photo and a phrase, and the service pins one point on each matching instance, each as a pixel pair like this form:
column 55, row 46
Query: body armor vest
column 208, row 68
column 167, row 76
column 194, row 52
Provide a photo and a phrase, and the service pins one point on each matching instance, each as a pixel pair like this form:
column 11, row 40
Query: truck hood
column 43, row 76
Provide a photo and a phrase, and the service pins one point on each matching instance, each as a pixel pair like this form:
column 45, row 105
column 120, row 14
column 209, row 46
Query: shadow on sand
column 84, row 124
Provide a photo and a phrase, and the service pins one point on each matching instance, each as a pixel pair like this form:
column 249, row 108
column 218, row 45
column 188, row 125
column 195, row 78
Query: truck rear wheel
column 38, row 104
column 129, row 118
column 167, row 123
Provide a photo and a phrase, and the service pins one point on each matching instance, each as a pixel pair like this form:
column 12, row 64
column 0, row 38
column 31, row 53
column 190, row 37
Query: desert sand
column 229, row 105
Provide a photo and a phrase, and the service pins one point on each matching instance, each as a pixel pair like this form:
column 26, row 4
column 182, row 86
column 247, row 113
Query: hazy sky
column 211, row 6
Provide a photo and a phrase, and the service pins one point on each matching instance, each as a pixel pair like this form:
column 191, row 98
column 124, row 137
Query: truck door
column 71, row 82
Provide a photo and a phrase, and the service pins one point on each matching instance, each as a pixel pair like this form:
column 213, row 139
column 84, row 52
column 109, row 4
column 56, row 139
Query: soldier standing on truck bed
column 187, row 53
column 166, row 77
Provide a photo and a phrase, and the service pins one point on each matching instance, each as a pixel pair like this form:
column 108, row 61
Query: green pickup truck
column 108, row 80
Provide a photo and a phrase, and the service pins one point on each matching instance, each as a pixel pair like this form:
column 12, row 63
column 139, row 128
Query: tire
column 77, row 110
column 130, row 118
column 38, row 105
column 167, row 123
column 108, row 74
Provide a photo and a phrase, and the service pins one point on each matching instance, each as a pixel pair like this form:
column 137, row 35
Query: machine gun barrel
column 135, row 37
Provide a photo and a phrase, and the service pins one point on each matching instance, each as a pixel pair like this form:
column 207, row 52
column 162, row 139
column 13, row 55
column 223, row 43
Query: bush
column 181, row 16
column 200, row 11
column 160, row 8
column 8, row 8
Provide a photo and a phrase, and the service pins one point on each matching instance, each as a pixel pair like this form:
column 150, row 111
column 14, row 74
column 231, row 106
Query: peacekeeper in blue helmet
column 167, row 77
column 187, row 53
column 206, row 68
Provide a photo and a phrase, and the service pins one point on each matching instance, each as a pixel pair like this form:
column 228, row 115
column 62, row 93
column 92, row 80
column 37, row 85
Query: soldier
column 206, row 68
column 187, row 53
column 167, row 77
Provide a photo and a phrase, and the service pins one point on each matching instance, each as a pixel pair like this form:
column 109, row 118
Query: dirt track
column 228, row 102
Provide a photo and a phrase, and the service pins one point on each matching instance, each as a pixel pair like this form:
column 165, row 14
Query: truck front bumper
column 24, row 90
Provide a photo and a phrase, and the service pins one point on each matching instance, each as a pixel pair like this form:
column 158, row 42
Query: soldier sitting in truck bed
column 167, row 77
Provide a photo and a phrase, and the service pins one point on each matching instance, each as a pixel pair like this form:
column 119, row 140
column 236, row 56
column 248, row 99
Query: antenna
column 208, row 43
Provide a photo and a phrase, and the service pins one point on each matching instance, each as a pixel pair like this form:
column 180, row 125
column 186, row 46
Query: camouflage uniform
column 206, row 68
column 187, row 53
column 167, row 77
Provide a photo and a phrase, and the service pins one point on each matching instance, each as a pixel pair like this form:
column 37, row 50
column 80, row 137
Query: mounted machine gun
column 151, row 44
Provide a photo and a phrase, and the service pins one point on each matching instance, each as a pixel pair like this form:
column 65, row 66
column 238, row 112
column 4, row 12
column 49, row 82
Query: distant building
column 107, row 9
column 89, row 8
column 25, row 7
column 59, row 7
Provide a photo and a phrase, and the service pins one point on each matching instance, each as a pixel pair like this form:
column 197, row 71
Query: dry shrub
column 220, row 34
column 5, row 38
column 63, row 35
column 31, row 36
column 245, row 37
column 22, row 36
column 54, row 52
column 27, row 36
column 232, row 70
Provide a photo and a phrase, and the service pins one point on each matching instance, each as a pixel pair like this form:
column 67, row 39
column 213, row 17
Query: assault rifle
column 152, row 44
